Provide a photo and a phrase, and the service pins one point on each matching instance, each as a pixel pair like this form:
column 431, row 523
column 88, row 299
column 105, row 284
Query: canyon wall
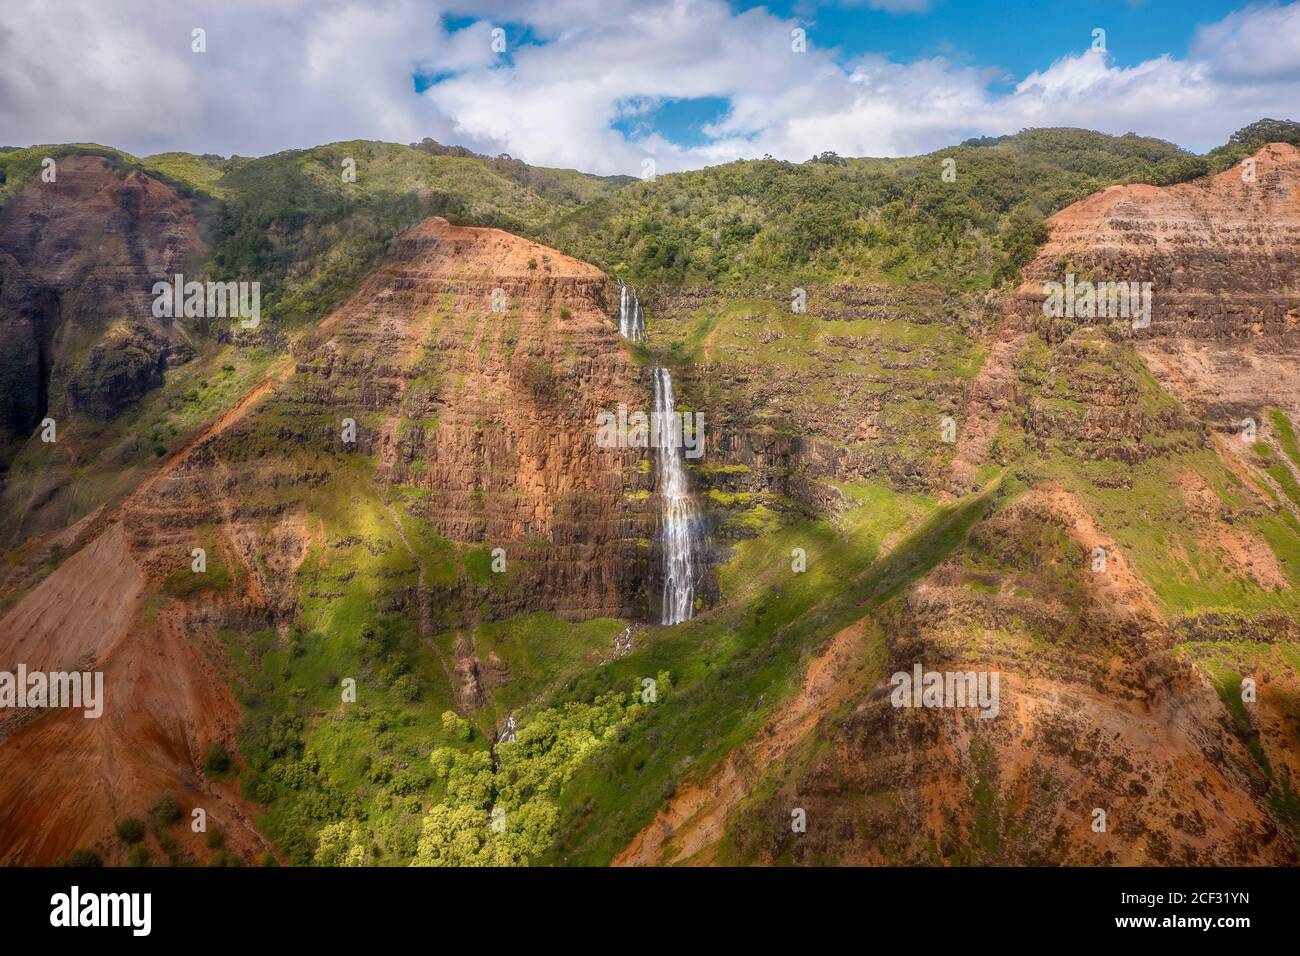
column 78, row 260
column 472, row 366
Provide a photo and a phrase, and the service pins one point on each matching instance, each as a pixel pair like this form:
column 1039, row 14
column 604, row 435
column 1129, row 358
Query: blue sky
column 1011, row 38
column 1015, row 37
column 614, row 85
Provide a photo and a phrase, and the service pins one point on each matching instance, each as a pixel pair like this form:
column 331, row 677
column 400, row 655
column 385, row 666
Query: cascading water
column 631, row 324
column 679, row 535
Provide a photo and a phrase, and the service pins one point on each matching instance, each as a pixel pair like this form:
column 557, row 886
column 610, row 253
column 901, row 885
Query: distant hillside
column 834, row 218
column 293, row 222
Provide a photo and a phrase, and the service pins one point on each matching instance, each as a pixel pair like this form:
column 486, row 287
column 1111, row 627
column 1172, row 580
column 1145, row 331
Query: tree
column 217, row 760
column 345, row 843
column 83, row 858
column 456, row 727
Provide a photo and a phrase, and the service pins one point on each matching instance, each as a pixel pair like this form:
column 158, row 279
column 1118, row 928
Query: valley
column 439, row 623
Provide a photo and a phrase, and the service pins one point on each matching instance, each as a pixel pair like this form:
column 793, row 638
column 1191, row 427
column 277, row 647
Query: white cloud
column 1259, row 44
column 295, row 73
column 302, row 72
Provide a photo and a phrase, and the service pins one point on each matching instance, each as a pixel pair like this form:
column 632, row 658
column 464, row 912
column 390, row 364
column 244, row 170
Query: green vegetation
column 130, row 830
column 1250, row 138
column 833, row 218
column 165, row 812
column 1286, row 435
column 139, row 855
column 216, row 762
column 508, row 816
column 1130, row 474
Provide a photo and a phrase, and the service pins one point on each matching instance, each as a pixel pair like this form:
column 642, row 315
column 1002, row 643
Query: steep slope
column 1095, row 713
column 78, row 259
column 1122, row 682
column 487, row 417
column 474, row 430
column 1221, row 253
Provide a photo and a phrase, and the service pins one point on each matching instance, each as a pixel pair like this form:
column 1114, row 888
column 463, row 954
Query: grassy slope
column 733, row 666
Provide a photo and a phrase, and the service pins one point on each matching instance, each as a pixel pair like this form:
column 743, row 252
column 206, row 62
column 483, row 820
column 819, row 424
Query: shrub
column 457, row 727
column 407, row 689
column 139, row 855
column 131, row 830
column 166, row 811
column 217, row 760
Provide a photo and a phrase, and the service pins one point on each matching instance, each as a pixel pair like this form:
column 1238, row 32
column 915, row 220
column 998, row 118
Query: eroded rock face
column 481, row 369
column 78, row 259
column 1107, row 747
column 127, row 362
column 479, row 424
column 483, row 423
column 1222, row 255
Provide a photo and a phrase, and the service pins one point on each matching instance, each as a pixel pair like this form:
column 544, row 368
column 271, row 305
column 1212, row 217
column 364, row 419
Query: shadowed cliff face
column 78, row 259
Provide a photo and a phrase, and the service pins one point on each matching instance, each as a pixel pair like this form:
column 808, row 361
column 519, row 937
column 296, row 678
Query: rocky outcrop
column 478, row 373
column 1222, row 255
column 127, row 362
column 78, row 260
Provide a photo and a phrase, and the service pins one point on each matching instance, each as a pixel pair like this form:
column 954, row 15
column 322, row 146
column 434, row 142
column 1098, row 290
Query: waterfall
column 679, row 534
column 631, row 324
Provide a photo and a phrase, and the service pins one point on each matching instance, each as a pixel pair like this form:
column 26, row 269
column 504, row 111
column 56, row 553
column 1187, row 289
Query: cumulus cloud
column 581, row 80
column 293, row 73
column 1256, row 45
